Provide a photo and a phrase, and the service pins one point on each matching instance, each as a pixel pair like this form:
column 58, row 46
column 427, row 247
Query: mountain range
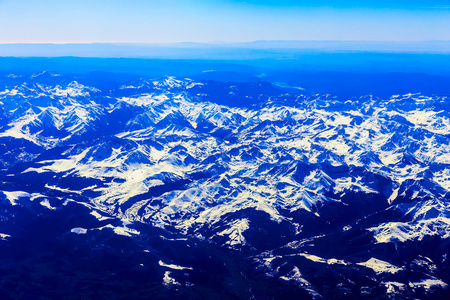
column 179, row 188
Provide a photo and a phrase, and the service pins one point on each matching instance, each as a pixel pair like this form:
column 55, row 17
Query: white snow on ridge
column 401, row 232
column 390, row 157
column 56, row 188
column 121, row 230
column 380, row 266
column 99, row 216
column 172, row 266
column 14, row 196
column 430, row 121
column 330, row 261
column 443, row 178
column 4, row 236
column 17, row 128
column 295, row 275
column 79, row 230
column 168, row 280
column 60, row 165
column 65, row 114
column 347, row 183
column 73, row 89
column 394, row 287
column 234, row 232
column 429, row 283
column 46, row 203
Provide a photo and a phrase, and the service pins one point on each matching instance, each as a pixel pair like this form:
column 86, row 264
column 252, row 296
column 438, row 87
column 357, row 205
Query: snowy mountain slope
column 304, row 184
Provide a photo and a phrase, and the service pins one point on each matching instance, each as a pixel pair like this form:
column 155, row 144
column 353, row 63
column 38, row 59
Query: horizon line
column 221, row 42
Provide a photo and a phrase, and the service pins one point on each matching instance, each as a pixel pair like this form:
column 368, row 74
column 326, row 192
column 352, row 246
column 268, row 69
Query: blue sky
column 167, row 21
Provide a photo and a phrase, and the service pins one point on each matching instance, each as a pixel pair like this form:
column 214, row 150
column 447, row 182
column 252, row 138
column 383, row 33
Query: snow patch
column 79, row 230
column 14, row 196
column 122, row 230
column 330, row 261
column 172, row 266
column 429, row 283
column 380, row 266
column 4, row 236
column 234, row 232
column 47, row 204
column 168, row 280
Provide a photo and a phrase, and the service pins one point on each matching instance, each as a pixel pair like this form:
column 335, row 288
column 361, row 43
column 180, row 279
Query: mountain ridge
column 299, row 184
